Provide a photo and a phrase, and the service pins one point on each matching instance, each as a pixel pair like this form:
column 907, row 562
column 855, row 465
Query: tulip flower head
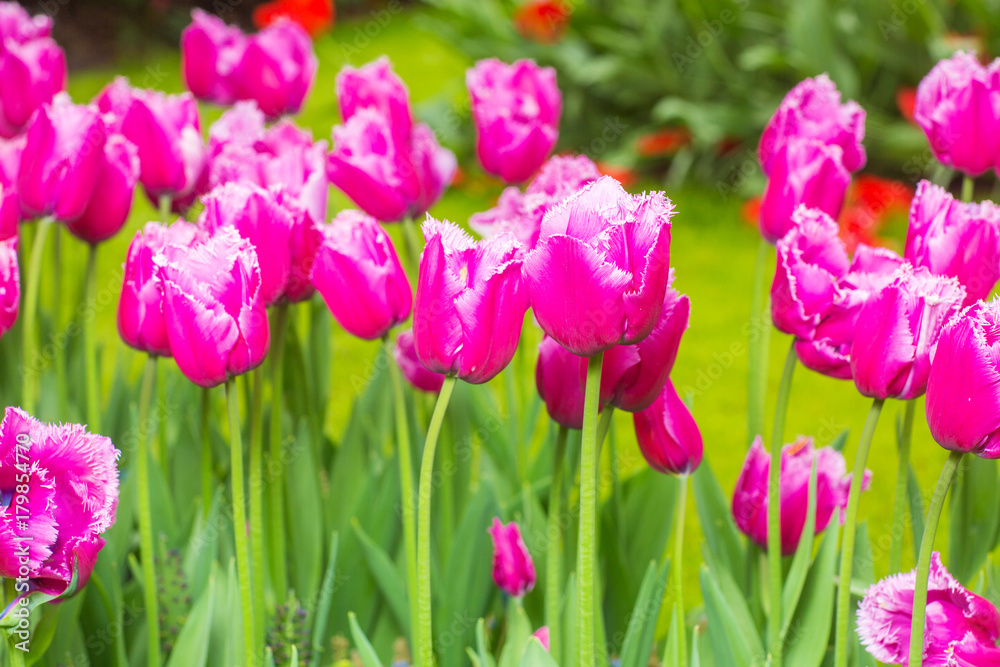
column 668, row 435
column 213, row 306
column 17, row 24
column 897, row 330
column 211, row 52
column 958, row 108
column 405, row 353
column 557, row 377
column 962, row 627
column 598, row 275
column 10, row 283
column 376, row 86
column 72, row 498
column 513, row 569
column 470, row 304
column 952, row 238
column 750, row 498
column 359, row 276
column 32, row 67
column 516, row 109
column 110, row 203
column 542, row 634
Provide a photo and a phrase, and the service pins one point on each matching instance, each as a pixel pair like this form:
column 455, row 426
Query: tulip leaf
column 747, row 645
column 975, row 496
column 222, row 645
column 570, row 619
column 482, row 654
column 364, row 647
column 42, row 633
column 268, row 657
column 199, row 556
column 191, row 649
column 303, row 498
column 722, row 632
column 800, row 562
column 387, row 577
column 322, row 614
column 806, row 634
column 294, row 661
column 840, row 440
column 535, row 655
column 518, row 634
column 642, row 622
column 717, row 524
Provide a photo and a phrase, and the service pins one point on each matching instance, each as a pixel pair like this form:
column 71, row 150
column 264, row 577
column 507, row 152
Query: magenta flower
column 599, row 273
column 405, row 353
column 110, row 203
column 257, row 216
column 958, row 108
column 812, row 110
column 557, row 378
column 32, row 67
column 210, row 53
column 72, row 498
column 140, row 309
column 18, row 25
column 376, row 86
column 10, row 283
column 963, row 390
column 213, row 307
column 277, row 69
column 513, row 569
column 897, row 330
column 962, row 628
column 750, row 496
column 516, row 109
column 668, row 435
column 360, row 278
column 304, row 240
column 522, row 213
column 470, row 303
column 542, row 635
column 952, row 238
column 803, row 172
column 165, row 129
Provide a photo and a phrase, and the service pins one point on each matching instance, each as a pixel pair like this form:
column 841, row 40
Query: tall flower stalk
column 29, row 336
column 902, row 479
column 142, row 455
column 587, row 544
column 92, row 382
column 276, row 480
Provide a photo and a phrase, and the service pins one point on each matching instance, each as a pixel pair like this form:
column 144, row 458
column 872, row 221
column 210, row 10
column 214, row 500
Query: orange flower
column 315, row 16
column 663, row 142
column 750, row 211
column 624, row 175
column 870, row 202
column 906, row 99
column 542, row 21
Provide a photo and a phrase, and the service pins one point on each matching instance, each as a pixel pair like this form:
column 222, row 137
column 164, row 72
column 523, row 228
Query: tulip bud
column 542, row 635
column 109, row 205
column 516, row 109
column 10, row 283
column 557, row 377
column 470, row 303
column 750, row 498
column 32, row 67
column 359, row 276
column 210, row 50
column 599, row 273
column 668, row 435
column 405, row 353
column 277, row 69
column 513, row 569
column 215, row 314
column 964, row 630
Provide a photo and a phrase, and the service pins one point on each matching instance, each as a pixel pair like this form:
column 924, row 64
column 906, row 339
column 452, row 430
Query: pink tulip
column 962, row 628
column 557, row 378
column 470, row 303
column 750, row 496
column 10, row 283
column 958, row 108
column 516, row 109
column 963, row 393
column 405, row 353
column 277, row 69
column 897, row 330
column 10, row 210
column 215, row 314
column 433, row 167
column 668, row 435
column 375, row 85
column 542, row 635
column 360, row 278
column 513, row 569
column 256, row 215
column 803, row 172
column 72, row 498
column 62, row 159
column 109, row 205
column 304, row 240
column 599, row 273
column 32, row 72
column 18, row 25
column 210, row 53
column 522, row 213
column 140, row 309
column 951, row 238
column 812, row 110
column 167, row 132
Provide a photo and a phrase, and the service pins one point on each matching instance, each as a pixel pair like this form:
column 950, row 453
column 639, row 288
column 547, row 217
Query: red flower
column 906, row 99
column 624, row 175
column 870, row 202
column 315, row 16
column 750, row 211
column 663, row 142
column 542, row 21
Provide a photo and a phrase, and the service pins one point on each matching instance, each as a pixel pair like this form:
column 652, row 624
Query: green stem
column 405, row 455
column 604, row 425
column 678, row 571
column 924, row 562
column 413, row 245
column 207, row 472
column 774, row 511
column 276, row 478
column 160, row 452
column 847, row 548
column 240, row 524
column 142, row 455
column 425, row 637
column 90, row 345
column 15, row 656
column 60, row 355
column 968, row 188
column 554, row 553
column 257, row 500
column 30, row 369
column 587, row 544
column 760, row 334
column 164, row 207
column 900, row 503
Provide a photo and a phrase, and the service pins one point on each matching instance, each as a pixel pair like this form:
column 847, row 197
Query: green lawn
column 713, row 253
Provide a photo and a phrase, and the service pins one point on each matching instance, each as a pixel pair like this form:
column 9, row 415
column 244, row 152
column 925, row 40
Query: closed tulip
column 277, row 69
column 952, row 238
column 470, row 303
column 813, row 110
column 140, row 309
column 958, row 108
column 360, row 278
column 557, row 378
column 109, row 205
column 750, row 499
column 10, row 283
column 668, row 435
column 803, row 172
column 962, row 627
column 375, row 85
column 599, row 273
column 215, row 314
column 897, row 330
column 513, row 569
column 963, row 395
column 405, row 353
column 210, row 52
column 31, row 73
column 516, row 109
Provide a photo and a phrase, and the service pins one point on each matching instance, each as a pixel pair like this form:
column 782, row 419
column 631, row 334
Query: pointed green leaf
column 361, row 643
column 191, row 649
column 387, row 576
column 642, row 622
